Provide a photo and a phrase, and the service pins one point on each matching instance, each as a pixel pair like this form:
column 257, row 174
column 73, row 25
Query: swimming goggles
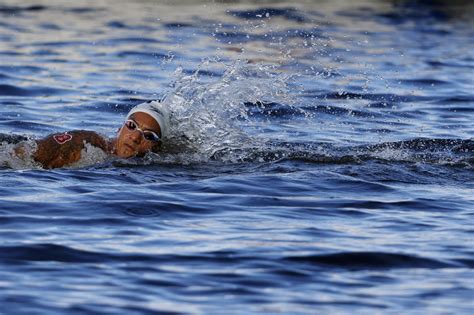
column 147, row 134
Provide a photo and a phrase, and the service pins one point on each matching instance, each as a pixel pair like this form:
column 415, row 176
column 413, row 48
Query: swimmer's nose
column 136, row 137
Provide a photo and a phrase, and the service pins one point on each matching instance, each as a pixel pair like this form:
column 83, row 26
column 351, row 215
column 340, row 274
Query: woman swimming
column 145, row 127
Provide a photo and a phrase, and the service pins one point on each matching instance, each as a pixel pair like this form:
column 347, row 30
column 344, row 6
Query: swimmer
column 144, row 129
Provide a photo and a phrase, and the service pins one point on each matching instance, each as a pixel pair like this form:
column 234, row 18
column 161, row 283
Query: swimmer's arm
column 51, row 153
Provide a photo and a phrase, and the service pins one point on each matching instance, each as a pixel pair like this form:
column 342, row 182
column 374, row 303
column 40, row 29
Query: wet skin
column 51, row 153
column 131, row 143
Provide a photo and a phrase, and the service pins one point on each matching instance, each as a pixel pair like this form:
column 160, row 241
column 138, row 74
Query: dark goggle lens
column 131, row 125
column 151, row 136
column 148, row 135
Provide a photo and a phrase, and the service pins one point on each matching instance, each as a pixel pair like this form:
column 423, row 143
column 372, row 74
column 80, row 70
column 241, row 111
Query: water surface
column 321, row 159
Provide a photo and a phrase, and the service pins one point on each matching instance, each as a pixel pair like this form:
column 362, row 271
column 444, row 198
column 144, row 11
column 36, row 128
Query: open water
column 321, row 161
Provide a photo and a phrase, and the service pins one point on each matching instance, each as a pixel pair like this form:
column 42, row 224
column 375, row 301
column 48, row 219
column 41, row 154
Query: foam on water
column 91, row 155
column 10, row 159
column 211, row 113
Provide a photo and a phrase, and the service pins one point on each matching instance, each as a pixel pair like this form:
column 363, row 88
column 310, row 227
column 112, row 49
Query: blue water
column 321, row 161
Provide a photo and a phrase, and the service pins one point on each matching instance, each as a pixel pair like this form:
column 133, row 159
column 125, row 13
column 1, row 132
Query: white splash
column 90, row 155
column 210, row 115
column 11, row 159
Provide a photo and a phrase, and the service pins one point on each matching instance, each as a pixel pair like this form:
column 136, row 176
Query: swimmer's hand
column 60, row 150
column 20, row 151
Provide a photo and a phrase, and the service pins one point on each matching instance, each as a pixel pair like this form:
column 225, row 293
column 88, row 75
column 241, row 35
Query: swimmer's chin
column 126, row 155
column 126, row 152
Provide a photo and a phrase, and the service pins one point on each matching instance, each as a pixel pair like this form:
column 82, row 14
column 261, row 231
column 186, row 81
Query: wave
column 12, row 139
column 457, row 152
column 4, row 9
column 12, row 90
column 375, row 260
column 345, row 260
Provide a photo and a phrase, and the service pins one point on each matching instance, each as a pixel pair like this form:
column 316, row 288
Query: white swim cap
column 158, row 111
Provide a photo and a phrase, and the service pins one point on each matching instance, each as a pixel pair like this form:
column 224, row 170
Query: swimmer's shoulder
column 61, row 149
column 74, row 139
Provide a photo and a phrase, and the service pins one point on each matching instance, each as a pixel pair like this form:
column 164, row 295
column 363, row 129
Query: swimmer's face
column 132, row 138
